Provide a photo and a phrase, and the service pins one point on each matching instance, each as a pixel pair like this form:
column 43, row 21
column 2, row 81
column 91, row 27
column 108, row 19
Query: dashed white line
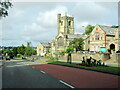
column 43, row 72
column 66, row 84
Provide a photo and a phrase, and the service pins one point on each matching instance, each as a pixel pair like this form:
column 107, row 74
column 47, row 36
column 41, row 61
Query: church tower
column 65, row 24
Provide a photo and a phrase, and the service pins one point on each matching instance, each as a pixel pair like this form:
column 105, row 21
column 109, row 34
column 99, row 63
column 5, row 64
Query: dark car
column 7, row 58
column 23, row 57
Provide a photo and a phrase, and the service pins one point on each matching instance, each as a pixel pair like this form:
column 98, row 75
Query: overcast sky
column 37, row 21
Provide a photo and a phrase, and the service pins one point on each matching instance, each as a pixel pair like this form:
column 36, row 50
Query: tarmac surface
column 80, row 78
column 20, row 74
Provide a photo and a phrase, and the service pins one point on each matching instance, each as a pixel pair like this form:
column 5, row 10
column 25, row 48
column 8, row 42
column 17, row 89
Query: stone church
column 65, row 27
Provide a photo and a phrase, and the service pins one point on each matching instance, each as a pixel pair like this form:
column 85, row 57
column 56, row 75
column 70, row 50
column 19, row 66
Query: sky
column 37, row 21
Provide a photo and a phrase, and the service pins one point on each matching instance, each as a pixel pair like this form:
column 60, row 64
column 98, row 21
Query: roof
column 73, row 36
column 109, row 30
column 46, row 44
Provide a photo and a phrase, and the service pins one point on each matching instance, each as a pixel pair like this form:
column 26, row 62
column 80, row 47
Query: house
column 43, row 48
column 104, row 36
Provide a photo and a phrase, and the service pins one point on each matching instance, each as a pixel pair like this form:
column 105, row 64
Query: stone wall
column 79, row 57
column 118, row 58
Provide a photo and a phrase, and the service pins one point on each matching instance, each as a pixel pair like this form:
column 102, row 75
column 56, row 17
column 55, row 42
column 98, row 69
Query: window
column 119, row 46
column 92, row 47
column 61, row 23
column 96, row 48
column 60, row 41
column 69, row 23
column 119, row 34
column 97, row 36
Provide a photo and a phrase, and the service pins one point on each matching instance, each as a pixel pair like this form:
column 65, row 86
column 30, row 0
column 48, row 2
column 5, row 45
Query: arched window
column 97, row 36
column 61, row 23
column 60, row 41
column 69, row 23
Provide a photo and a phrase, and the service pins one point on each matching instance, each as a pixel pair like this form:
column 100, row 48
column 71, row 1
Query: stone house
column 43, row 48
column 104, row 36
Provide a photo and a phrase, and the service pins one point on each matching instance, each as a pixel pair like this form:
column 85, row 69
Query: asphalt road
column 81, row 78
column 19, row 74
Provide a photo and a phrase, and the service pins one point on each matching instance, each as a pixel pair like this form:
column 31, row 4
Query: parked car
column 24, row 58
column 7, row 58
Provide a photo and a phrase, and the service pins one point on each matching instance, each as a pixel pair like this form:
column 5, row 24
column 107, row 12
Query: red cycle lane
column 80, row 78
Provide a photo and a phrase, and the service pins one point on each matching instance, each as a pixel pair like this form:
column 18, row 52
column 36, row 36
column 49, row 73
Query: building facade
column 43, row 48
column 65, row 34
column 104, row 36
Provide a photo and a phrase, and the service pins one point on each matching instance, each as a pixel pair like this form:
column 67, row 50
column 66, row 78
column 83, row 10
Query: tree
column 4, row 6
column 15, row 51
column 29, row 50
column 21, row 50
column 68, row 50
column 88, row 29
column 77, row 44
column 8, row 52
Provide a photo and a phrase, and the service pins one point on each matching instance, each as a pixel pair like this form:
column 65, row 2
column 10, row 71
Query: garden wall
column 79, row 57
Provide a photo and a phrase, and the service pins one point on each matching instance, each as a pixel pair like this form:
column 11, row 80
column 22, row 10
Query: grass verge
column 42, row 61
column 104, row 69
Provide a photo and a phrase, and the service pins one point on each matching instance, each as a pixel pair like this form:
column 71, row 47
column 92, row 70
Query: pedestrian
column 69, row 58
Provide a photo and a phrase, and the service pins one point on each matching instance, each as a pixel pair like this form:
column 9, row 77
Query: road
column 19, row 74
column 27, row 74
column 81, row 78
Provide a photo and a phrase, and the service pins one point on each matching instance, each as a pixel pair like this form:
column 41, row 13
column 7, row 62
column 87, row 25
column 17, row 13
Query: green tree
column 9, row 52
column 68, row 50
column 4, row 6
column 15, row 51
column 77, row 44
column 29, row 50
column 62, row 52
column 21, row 50
column 88, row 29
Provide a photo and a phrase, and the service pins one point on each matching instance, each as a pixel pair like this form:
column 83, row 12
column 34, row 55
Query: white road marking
column 15, row 65
column 66, row 84
column 42, row 71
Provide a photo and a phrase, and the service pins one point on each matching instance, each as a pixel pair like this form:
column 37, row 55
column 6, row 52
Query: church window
column 61, row 23
column 60, row 41
column 69, row 23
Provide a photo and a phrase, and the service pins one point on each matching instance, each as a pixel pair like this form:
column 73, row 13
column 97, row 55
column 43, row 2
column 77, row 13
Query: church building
column 65, row 27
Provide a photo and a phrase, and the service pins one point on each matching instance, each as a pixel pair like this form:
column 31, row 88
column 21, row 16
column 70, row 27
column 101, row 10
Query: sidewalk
column 1, row 63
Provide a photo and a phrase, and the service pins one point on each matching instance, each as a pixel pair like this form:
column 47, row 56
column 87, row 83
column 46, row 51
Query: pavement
column 80, row 78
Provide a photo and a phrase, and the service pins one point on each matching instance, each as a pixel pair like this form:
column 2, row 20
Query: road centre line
column 43, row 72
column 66, row 84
